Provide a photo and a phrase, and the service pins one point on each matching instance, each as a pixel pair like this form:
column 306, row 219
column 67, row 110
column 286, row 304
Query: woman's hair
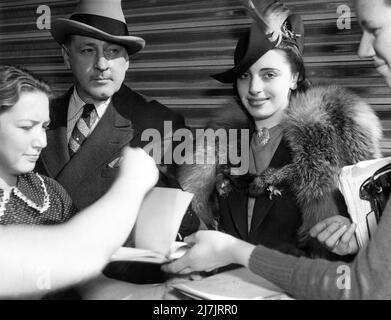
column 296, row 62
column 14, row 81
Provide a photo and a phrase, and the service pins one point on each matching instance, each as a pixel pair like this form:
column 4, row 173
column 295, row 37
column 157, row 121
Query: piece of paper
column 235, row 284
column 159, row 219
column 177, row 250
column 157, row 226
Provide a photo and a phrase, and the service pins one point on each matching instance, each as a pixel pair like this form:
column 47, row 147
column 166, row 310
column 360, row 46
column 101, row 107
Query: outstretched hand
column 336, row 234
column 210, row 250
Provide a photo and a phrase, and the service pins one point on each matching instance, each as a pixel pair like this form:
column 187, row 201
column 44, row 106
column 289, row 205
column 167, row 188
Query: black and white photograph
column 195, row 153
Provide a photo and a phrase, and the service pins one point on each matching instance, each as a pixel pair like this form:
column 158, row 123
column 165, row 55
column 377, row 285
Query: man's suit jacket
column 274, row 222
column 87, row 175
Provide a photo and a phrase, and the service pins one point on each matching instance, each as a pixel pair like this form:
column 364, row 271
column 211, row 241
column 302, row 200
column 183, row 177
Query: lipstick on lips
column 32, row 157
column 256, row 102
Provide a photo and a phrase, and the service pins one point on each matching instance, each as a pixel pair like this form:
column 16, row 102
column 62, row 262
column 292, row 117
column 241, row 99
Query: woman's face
column 375, row 19
column 22, row 134
column 265, row 88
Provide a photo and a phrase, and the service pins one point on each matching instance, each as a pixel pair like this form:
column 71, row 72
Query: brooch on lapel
column 262, row 136
column 252, row 184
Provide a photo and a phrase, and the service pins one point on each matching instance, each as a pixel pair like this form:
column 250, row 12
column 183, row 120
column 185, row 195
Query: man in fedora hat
column 100, row 115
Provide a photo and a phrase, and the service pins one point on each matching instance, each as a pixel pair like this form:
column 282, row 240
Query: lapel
column 113, row 132
column 55, row 156
column 263, row 204
column 238, row 203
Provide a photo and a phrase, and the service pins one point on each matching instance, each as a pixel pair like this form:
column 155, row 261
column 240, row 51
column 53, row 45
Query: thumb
column 191, row 239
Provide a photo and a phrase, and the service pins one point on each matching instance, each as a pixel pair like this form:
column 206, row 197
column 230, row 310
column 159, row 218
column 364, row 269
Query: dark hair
column 14, row 81
column 387, row 2
column 296, row 61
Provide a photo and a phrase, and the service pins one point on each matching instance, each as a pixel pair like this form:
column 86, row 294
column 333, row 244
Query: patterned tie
column 82, row 128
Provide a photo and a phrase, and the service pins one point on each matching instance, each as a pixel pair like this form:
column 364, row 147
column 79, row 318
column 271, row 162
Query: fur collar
column 326, row 128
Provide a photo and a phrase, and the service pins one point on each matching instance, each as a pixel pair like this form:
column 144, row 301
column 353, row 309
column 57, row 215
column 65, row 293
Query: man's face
column 375, row 19
column 99, row 67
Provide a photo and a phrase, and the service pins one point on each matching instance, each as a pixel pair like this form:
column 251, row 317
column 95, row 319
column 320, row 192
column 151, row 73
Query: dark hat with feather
column 273, row 23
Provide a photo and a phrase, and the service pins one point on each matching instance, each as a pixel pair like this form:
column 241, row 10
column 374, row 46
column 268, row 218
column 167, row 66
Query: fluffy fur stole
column 326, row 128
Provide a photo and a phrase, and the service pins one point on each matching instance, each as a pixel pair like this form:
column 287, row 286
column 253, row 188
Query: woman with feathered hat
column 301, row 137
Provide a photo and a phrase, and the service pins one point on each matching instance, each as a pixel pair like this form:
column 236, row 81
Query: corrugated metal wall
column 187, row 40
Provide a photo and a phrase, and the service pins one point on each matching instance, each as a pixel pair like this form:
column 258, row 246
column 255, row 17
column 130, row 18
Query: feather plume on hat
column 273, row 24
column 272, row 16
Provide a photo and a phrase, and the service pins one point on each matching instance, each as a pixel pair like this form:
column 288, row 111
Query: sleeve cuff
column 273, row 266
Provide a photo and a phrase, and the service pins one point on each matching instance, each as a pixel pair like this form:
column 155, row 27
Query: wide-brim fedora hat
column 100, row 19
column 263, row 36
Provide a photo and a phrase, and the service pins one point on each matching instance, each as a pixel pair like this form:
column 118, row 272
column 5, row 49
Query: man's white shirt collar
column 75, row 107
column 76, row 104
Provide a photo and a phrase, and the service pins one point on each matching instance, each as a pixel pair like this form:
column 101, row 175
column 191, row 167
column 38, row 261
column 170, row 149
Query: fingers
column 186, row 271
column 333, row 240
column 196, row 276
column 177, row 266
column 138, row 167
column 191, row 239
column 318, row 228
column 129, row 151
column 321, row 226
column 137, row 155
column 327, row 231
column 338, row 236
column 182, row 265
column 349, row 234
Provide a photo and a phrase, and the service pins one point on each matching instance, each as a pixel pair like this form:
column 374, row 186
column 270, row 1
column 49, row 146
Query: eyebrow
column 270, row 69
column 265, row 70
column 92, row 44
column 34, row 121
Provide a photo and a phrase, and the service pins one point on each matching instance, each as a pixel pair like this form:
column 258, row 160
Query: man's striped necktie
column 82, row 129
